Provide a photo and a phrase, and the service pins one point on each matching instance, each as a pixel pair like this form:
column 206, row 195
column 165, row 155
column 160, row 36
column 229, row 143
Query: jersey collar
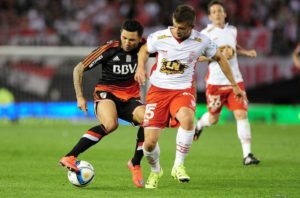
column 210, row 26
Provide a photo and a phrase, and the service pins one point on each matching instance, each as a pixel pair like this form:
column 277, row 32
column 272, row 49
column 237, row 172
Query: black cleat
column 197, row 133
column 250, row 159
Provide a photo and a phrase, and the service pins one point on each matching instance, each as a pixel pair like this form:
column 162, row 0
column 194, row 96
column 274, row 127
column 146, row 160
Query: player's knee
column 110, row 125
column 187, row 122
column 240, row 114
column 138, row 114
column 213, row 119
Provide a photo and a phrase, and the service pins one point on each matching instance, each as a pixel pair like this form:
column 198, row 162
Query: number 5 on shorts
column 149, row 113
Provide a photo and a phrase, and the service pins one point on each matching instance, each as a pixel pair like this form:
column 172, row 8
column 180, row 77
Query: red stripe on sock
column 94, row 134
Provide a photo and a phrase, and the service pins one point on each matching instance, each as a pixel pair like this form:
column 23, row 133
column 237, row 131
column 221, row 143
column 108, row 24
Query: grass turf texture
column 30, row 152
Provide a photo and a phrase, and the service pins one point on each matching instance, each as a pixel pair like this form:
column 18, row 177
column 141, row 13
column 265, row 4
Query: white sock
column 153, row 158
column 244, row 134
column 203, row 121
column 184, row 141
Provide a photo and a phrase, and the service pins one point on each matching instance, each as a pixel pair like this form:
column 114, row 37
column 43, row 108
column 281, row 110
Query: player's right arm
column 77, row 81
column 140, row 74
column 226, row 69
column 95, row 58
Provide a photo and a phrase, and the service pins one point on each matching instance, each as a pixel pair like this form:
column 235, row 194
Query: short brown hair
column 214, row 2
column 184, row 13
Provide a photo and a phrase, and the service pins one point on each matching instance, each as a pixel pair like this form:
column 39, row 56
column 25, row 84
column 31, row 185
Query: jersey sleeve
column 211, row 49
column 99, row 56
column 151, row 43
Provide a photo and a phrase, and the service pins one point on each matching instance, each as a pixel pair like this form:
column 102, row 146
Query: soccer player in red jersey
column 117, row 94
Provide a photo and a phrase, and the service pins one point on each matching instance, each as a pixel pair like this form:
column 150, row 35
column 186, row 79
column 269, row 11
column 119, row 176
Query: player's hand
column 227, row 51
column 239, row 94
column 140, row 76
column 82, row 104
column 251, row 53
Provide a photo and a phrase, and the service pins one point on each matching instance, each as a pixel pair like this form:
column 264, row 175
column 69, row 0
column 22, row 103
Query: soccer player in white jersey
column 218, row 89
column 171, row 95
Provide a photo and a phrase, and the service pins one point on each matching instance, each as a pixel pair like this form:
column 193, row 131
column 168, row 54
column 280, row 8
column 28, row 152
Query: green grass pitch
column 29, row 154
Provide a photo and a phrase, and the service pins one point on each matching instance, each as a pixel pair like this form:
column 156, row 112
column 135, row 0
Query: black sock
column 92, row 136
column 138, row 153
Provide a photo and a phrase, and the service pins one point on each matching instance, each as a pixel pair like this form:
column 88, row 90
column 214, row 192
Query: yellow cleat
column 180, row 174
column 153, row 179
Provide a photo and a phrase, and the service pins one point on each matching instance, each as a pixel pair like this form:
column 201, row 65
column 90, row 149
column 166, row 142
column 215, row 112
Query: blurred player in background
column 172, row 94
column 219, row 91
column 296, row 54
column 117, row 94
column 7, row 105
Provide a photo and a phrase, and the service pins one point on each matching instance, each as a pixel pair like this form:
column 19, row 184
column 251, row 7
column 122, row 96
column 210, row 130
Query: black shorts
column 124, row 108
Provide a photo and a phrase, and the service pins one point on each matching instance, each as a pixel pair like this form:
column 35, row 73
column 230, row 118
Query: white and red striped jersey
column 222, row 37
column 176, row 60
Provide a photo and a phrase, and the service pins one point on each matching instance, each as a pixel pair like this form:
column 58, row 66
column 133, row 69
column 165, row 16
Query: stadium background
column 41, row 42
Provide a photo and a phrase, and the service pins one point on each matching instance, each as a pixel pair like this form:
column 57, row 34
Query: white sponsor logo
column 124, row 69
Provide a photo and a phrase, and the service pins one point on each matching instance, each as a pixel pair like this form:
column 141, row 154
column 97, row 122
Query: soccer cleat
column 153, row 179
column 197, row 133
column 180, row 174
column 250, row 159
column 137, row 176
column 70, row 163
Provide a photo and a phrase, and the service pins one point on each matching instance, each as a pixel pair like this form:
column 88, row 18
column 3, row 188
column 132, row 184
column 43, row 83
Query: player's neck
column 179, row 40
column 219, row 25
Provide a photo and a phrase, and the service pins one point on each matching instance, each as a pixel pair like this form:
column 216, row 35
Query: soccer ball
column 85, row 175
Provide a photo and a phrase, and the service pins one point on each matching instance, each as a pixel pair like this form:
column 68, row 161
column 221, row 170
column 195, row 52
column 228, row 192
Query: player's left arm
column 246, row 52
column 203, row 59
column 140, row 74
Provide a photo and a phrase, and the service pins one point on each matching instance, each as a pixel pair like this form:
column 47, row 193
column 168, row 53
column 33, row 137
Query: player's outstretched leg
column 91, row 137
column 134, row 164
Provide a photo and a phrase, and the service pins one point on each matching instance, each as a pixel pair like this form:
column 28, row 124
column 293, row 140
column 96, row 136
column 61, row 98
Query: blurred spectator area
column 93, row 22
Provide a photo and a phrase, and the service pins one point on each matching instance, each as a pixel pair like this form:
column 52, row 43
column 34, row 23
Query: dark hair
column 214, row 2
column 184, row 13
column 132, row 26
